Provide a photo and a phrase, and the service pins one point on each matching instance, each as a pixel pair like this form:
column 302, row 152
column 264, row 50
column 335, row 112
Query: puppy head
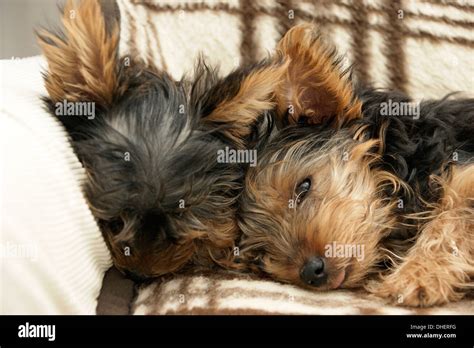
column 150, row 145
column 315, row 209
column 154, row 182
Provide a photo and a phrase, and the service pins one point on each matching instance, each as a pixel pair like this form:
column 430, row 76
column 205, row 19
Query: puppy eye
column 302, row 190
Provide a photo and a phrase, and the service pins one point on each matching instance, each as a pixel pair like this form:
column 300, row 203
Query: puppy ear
column 240, row 99
column 82, row 61
column 315, row 86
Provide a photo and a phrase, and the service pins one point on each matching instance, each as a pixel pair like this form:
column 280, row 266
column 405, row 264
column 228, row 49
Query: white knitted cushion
column 52, row 254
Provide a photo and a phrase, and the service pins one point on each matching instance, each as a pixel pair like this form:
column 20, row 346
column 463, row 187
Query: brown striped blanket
column 228, row 293
column 423, row 47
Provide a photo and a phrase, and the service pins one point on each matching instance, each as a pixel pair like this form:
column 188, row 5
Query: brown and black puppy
column 152, row 147
column 347, row 190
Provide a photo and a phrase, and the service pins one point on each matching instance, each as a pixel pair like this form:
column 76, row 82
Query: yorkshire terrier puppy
column 150, row 145
column 346, row 191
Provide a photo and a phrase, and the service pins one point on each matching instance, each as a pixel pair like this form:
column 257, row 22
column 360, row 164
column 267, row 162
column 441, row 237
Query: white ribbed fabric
column 52, row 254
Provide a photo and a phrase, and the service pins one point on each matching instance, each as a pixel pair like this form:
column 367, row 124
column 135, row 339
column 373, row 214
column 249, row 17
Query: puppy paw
column 418, row 284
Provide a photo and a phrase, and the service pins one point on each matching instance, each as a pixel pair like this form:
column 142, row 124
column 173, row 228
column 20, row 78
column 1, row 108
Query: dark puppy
column 150, row 145
column 361, row 181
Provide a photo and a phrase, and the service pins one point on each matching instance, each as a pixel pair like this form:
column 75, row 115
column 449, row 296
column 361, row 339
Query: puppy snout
column 313, row 272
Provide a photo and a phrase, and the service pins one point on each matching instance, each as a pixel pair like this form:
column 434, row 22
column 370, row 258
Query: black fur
column 414, row 149
column 417, row 148
column 173, row 157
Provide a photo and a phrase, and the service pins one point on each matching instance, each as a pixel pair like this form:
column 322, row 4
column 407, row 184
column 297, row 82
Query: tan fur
column 154, row 263
column 314, row 85
column 349, row 201
column 345, row 206
column 82, row 67
column 201, row 249
column 216, row 245
column 440, row 266
column 256, row 95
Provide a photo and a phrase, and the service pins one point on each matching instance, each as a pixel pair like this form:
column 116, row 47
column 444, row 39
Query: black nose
column 313, row 273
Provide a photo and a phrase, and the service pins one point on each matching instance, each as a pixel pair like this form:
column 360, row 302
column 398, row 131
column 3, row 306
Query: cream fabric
column 52, row 254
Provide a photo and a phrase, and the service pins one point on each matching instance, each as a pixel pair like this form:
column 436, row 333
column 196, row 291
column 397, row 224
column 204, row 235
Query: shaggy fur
column 399, row 186
column 161, row 198
column 314, row 87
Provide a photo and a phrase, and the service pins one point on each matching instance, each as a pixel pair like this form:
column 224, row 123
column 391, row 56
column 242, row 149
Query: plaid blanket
column 228, row 293
column 424, row 48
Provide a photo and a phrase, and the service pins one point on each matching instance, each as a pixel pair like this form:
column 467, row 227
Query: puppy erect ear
column 315, row 87
column 83, row 60
column 238, row 100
